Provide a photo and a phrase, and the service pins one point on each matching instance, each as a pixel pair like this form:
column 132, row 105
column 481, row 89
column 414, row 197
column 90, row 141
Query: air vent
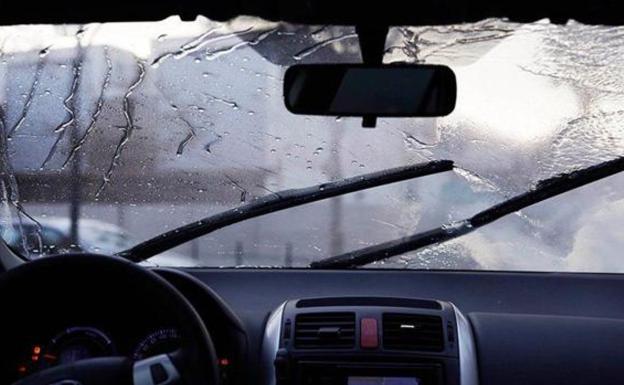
column 369, row 301
column 325, row 331
column 413, row 332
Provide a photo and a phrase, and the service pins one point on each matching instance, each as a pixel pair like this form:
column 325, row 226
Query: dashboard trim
column 270, row 344
column 468, row 369
column 468, row 372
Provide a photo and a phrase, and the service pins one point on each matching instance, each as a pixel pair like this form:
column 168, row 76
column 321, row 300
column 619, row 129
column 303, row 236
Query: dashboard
column 527, row 328
column 357, row 327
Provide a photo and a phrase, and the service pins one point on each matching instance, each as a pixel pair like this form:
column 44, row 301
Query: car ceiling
column 340, row 12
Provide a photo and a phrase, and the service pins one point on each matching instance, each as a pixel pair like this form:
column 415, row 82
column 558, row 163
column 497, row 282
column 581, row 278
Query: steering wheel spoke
column 157, row 370
column 93, row 371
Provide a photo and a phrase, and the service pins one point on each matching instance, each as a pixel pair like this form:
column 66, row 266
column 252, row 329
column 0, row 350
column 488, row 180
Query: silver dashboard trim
column 270, row 344
column 468, row 370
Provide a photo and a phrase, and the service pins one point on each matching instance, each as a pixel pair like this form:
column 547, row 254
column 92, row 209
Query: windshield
column 114, row 133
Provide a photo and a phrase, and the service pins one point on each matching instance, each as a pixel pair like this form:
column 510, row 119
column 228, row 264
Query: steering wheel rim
column 196, row 344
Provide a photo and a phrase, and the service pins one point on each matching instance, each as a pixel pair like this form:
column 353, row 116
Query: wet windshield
column 114, row 133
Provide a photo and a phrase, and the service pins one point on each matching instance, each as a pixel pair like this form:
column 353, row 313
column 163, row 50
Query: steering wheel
column 73, row 276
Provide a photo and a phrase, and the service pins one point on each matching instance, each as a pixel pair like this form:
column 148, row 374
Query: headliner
column 386, row 12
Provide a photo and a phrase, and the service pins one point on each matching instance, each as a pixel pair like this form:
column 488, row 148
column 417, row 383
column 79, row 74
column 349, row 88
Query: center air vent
column 325, row 331
column 413, row 332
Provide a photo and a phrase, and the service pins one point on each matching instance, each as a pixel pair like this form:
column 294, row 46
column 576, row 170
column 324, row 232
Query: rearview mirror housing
column 365, row 90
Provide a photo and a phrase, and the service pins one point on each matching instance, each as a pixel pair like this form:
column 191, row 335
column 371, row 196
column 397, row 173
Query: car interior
column 84, row 317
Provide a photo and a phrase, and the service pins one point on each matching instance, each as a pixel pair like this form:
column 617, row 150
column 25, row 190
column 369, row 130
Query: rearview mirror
column 364, row 90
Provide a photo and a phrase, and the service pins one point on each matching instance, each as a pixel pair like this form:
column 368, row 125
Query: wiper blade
column 543, row 190
column 280, row 201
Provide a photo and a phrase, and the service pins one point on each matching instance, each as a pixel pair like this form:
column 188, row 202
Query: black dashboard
column 528, row 328
column 347, row 327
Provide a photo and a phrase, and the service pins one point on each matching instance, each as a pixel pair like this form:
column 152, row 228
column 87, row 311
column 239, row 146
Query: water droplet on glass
column 162, row 37
column 197, row 60
column 273, row 151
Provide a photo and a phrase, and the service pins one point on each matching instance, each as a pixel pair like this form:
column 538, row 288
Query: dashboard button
column 369, row 337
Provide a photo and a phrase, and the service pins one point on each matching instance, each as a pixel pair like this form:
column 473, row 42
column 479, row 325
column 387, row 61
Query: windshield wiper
column 279, row 201
column 543, row 190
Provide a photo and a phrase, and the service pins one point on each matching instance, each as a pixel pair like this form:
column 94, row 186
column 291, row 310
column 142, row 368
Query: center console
column 368, row 341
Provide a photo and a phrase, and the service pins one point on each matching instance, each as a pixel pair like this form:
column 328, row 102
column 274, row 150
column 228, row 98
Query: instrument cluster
column 83, row 342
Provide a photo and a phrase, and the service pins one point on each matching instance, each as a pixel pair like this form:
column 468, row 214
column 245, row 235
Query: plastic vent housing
column 413, row 332
column 325, row 330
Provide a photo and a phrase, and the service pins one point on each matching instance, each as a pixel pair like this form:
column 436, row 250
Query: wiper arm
column 543, row 190
column 279, row 201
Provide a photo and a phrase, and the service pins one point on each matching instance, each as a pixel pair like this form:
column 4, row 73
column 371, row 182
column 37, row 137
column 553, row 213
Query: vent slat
column 325, row 331
column 307, row 324
column 343, row 332
column 413, row 332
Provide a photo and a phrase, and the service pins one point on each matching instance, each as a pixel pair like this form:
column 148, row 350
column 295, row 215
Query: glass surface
column 114, row 133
